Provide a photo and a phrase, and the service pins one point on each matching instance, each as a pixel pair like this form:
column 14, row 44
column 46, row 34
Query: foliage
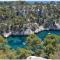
column 49, row 48
column 33, row 42
column 23, row 53
column 50, row 45
column 14, row 17
column 2, row 40
column 13, row 14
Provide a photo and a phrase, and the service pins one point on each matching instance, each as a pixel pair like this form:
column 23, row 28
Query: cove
column 19, row 41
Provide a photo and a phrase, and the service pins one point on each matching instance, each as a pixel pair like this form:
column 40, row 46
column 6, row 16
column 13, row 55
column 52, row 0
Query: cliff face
column 19, row 16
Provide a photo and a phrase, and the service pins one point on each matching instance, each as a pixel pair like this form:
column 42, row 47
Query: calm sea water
column 19, row 41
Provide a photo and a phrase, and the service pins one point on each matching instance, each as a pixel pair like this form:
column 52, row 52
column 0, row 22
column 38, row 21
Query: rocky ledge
column 26, row 32
column 29, row 31
column 36, row 58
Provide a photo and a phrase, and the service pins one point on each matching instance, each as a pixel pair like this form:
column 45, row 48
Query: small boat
column 24, row 43
column 49, row 33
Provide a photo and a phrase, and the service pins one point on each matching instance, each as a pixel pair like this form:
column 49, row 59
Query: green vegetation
column 33, row 42
column 23, row 53
column 49, row 48
column 50, row 45
column 14, row 15
column 2, row 40
column 19, row 16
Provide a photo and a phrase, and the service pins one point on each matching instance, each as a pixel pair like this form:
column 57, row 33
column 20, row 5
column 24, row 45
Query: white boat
column 49, row 33
column 24, row 43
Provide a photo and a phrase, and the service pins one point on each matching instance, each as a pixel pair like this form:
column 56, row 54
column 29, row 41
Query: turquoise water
column 19, row 41
column 43, row 34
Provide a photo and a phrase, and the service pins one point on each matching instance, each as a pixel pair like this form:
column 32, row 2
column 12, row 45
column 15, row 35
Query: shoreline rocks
column 36, row 58
column 26, row 32
column 7, row 34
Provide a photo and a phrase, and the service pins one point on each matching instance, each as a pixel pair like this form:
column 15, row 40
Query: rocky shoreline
column 26, row 32
column 29, row 31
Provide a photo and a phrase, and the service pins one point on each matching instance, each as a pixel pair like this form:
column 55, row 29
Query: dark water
column 19, row 41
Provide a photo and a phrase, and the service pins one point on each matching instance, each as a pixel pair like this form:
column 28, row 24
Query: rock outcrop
column 36, row 58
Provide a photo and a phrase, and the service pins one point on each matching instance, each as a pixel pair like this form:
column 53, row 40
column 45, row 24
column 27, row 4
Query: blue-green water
column 19, row 41
column 43, row 34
